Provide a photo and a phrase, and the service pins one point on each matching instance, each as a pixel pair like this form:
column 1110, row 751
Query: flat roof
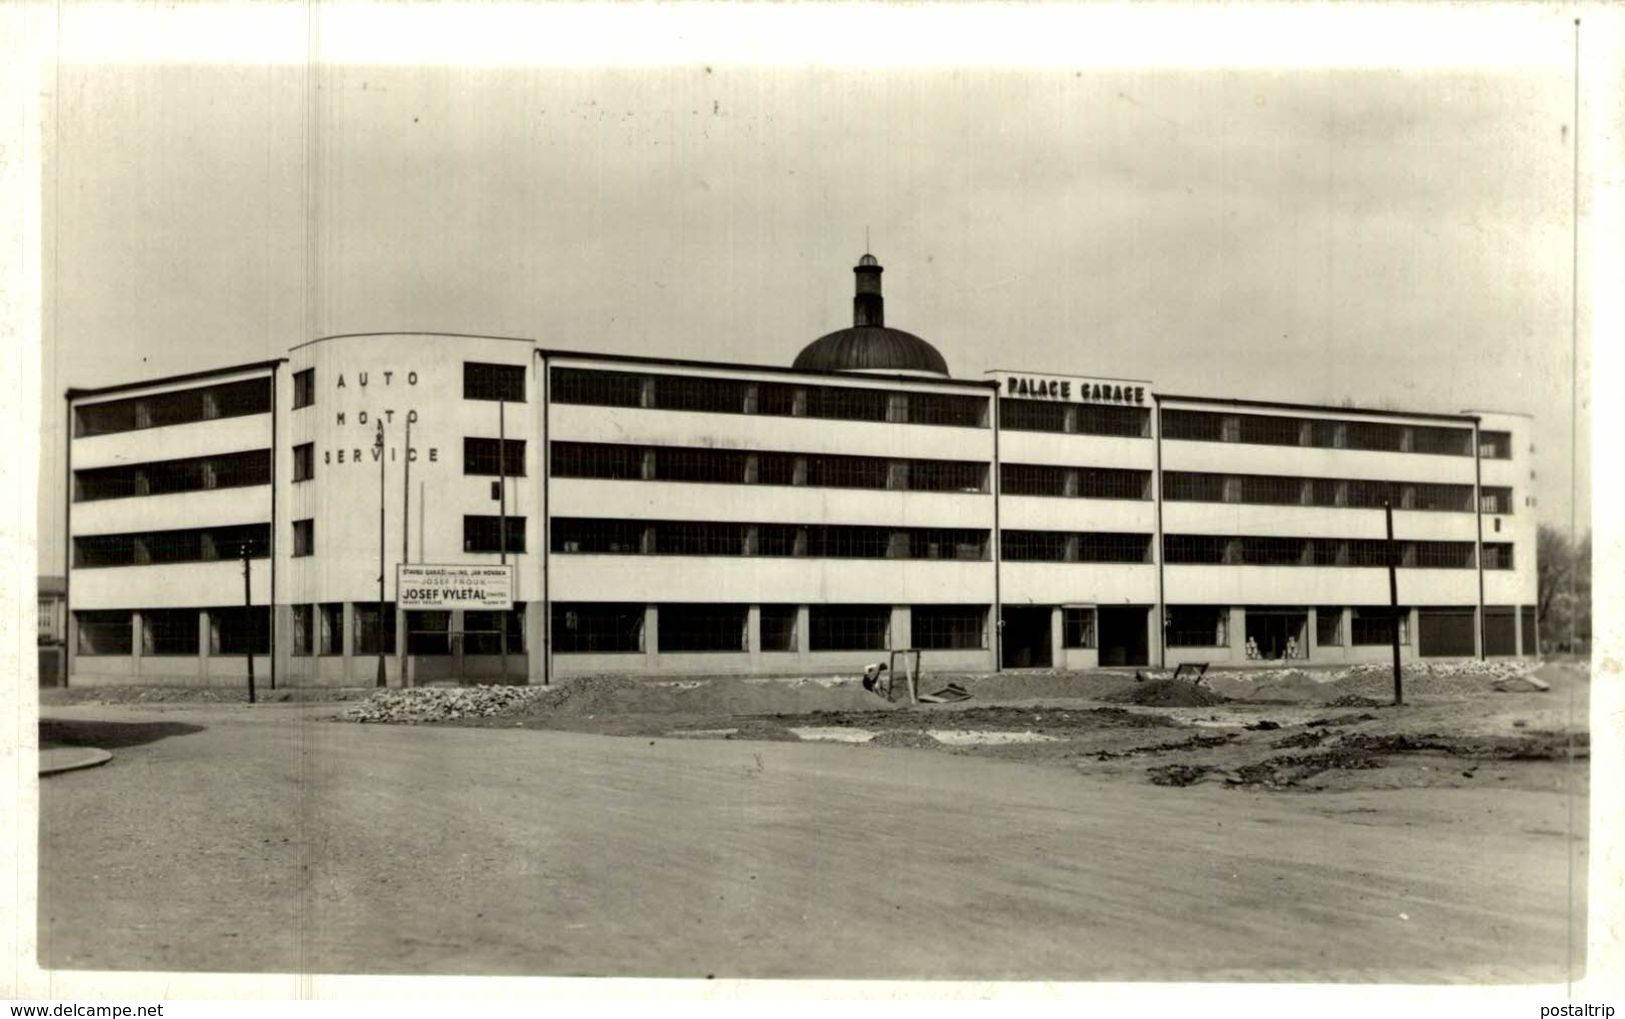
column 1324, row 408
column 207, row 373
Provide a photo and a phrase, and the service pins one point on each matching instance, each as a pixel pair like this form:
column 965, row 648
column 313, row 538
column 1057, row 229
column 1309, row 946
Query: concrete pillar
column 203, row 648
column 1311, row 635
column 535, row 645
column 1235, row 636
column 138, row 634
column 1155, row 635
column 651, row 636
column 902, row 626
column 348, row 613
column 1057, row 635
column 753, row 633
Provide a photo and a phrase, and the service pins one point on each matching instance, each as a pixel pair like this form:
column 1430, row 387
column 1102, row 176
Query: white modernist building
column 665, row 517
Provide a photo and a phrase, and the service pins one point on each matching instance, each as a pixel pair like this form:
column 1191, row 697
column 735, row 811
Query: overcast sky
column 1395, row 237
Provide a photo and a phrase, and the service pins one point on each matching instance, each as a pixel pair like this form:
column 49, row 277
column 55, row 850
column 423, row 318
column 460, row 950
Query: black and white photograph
column 893, row 499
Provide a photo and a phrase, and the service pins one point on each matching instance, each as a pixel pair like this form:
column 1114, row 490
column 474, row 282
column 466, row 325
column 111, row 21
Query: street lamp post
column 378, row 451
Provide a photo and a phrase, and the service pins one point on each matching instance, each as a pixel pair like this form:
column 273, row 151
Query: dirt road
column 270, row 840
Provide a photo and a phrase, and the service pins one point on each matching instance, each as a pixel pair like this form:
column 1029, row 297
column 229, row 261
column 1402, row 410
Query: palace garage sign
column 1072, row 390
column 422, row 586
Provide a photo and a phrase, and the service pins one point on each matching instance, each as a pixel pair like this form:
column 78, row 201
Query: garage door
column 1445, row 633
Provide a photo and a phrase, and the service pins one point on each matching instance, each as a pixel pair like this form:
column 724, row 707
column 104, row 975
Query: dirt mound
column 1197, row 742
column 1169, row 693
column 1355, row 701
column 1290, row 769
column 442, row 704
column 1179, row 774
column 611, row 695
column 905, row 738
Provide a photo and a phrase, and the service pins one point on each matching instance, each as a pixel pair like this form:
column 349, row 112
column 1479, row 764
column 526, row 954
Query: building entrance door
column 1277, row 634
column 1026, row 641
column 1445, row 633
column 1122, row 636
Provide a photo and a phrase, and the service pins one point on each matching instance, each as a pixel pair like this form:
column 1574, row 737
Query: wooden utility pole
column 502, row 521
column 1393, row 602
column 406, row 533
column 248, row 612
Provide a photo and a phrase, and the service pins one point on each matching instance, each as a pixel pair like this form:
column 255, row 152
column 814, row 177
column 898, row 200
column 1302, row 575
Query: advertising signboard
column 426, row 586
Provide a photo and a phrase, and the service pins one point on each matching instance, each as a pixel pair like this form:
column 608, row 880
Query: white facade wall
column 397, row 376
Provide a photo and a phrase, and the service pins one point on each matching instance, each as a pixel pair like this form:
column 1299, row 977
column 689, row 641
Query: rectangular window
column 947, row 476
column 597, row 388
column 1130, row 422
column 331, row 638
column 779, row 469
column 482, row 631
column 698, row 537
column 1195, row 425
column 1274, row 551
column 158, row 547
column 780, row 540
column 1032, row 479
column 710, row 466
column 105, row 632
column 169, row 632
column 832, row 471
column 493, row 457
column 1442, row 441
column 1500, row 630
column 1495, row 445
column 1497, row 555
column 1033, row 546
column 1450, row 555
column 1452, row 498
column 849, row 627
column 1032, row 415
column 690, row 392
column 838, row 541
column 608, row 461
column 428, row 633
column 1198, row 626
column 947, row 543
column 1269, row 490
column 1494, row 500
column 303, row 618
column 598, row 537
column 1113, row 547
column 304, row 461
column 304, row 538
column 505, row 382
column 1371, row 436
column 1329, row 626
column 1373, row 494
column 597, row 627
column 240, row 630
column 950, row 627
column 165, row 477
column 1113, row 483
column 1194, row 548
column 374, row 635
column 942, row 409
column 1269, row 430
column 484, row 533
column 304, row 388
column 778, row 624
column 1374, row 626
column 1078, row 627
column 1192, row 486
column 844, row 404
column 702, row 627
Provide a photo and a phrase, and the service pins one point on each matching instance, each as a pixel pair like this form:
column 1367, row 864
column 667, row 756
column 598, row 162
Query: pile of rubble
column 442, row 704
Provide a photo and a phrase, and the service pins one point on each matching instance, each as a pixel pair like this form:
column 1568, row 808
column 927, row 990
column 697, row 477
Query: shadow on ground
column 108, row 735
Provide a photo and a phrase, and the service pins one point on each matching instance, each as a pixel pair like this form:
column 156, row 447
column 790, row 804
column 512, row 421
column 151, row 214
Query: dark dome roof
column 872, row 349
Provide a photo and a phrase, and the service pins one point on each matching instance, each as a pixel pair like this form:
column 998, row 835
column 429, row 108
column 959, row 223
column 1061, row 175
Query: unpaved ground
column 223, row 837
column 1285, row 730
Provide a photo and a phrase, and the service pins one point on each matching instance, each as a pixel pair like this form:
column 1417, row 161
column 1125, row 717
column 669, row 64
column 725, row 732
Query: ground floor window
column 374, row 635
column 240, row 631
column 108, row 632
column 1374, row 625
column 332, row 628
column 1329, row 626
column 1500, row 630
column 428, row 632
column 779, row 627
column 483, row 631
column 950, row 627
column 303, row 618
column 169, row 632
column 849, row 627
column 1531, row 642
column 703, row 627
column 1198, row 626
column 1078, row 627
column 597, row 627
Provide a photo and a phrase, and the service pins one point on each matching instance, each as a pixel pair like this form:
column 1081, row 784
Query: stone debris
column 442, row 704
